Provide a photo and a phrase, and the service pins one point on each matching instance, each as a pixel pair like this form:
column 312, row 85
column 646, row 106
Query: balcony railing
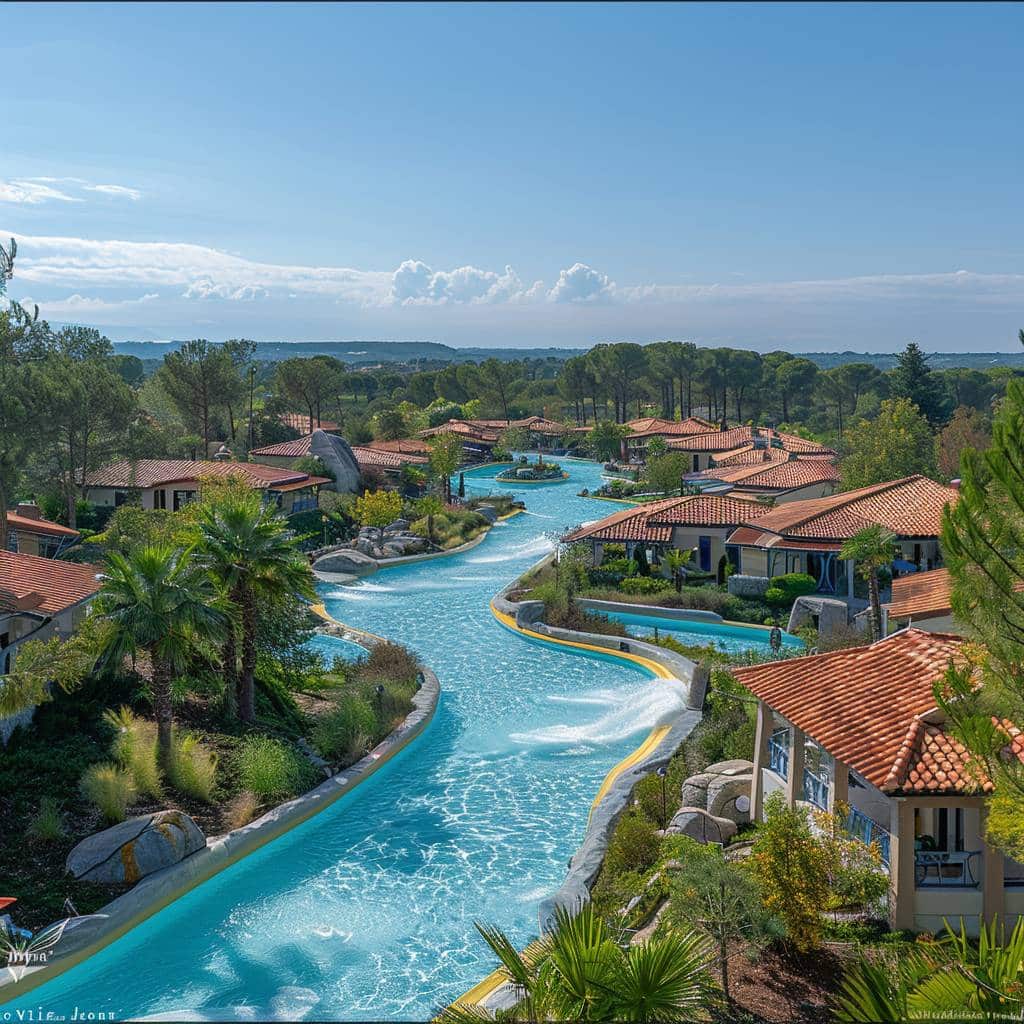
column 861, row 827
column 778, row 753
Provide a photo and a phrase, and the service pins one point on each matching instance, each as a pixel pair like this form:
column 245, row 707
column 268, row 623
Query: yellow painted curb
column 319, row 609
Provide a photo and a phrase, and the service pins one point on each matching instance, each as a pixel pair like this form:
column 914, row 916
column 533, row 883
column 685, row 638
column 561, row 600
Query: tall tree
column 310, row 383
column 241, row 352
column 983, row 545
column 966, row 430
column 496, row 380
column 249, row 549
column 896, row 444
column 912, row 378
column 89, row 409
column 157, row 600
column 682, row 359
column 196, row 377
column 445, row 459
column 793, row 377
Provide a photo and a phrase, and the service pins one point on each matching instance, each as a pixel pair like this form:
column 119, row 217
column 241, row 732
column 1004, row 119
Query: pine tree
column 913, row 378
column 983, row 543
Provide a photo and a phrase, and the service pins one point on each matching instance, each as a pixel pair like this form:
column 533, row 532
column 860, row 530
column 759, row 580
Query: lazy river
column 366, row 911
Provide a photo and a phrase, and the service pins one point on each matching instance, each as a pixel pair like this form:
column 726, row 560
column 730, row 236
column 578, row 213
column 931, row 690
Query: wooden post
column 840, row 784
column 763, row 734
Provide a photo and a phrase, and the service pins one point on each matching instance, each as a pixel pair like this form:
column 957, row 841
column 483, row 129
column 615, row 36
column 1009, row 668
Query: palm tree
column 580, row 972
column 872, row 549
column 954, row 978
column 676, row 559
column 247, row 547
column 157, row 600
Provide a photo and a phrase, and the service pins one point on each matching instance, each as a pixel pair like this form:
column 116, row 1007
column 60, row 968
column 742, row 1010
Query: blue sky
column 770, row 176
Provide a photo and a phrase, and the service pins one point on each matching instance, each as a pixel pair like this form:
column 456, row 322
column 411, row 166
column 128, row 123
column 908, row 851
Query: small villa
column 389, row 457
column 860, row 727
column 29, row 533
column 305, row 423
column 770, row 473
column 641, row 432
column 807, row 536
column 701, row 523
column 718, row 447
column 174, row 483
column 39, row 598
column 477, row 441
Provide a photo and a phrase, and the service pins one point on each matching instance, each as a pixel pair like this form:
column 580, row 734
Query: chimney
column 28, row 510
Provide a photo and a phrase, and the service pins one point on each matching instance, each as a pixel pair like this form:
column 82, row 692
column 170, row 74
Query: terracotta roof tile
column 27, row 524
column 386, row 460
column 44, row 584
column 297, row 449
column 156, row 472
column 859, row 703
column 649, row 426
column 464, row 428
column 921, row 594
column 715, row 441
column 779, row 474
column 911, row 507
column 299, row 421
column 404, row 446
column 795, row 443
column 653, row 522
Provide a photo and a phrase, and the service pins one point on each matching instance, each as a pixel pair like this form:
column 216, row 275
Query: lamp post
column 662, row 773
column 380, row 699
column 252, row 385
column 323, row 519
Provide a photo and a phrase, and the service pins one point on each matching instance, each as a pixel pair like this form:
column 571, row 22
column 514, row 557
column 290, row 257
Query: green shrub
column 633, row 847
column 796, row 584
column 192, row 769
column 622, row 566
column 343, row 734
column 47, row 825
column 645, row 585
column 111, row 789
column 776, row 595
column 270, row 769
column 135, row 749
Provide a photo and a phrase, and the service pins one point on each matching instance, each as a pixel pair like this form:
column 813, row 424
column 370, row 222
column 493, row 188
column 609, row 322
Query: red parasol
column 6, row 901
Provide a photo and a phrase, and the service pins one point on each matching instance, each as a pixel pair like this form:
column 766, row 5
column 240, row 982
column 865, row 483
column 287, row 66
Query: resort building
column 641, row 431
column 543, row 433
column 477, row 441
column 807, row 536
column 174, row 483
column 386, row 456
column 922, row 599
column 726, row 447
column 699, row 523
column 29, row 533
column 770, row 473
column 39, row 598
column 859, row 728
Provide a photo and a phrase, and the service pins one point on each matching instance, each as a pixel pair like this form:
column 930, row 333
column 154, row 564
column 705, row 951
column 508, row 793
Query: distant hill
column 371, row 353
column 362, row 353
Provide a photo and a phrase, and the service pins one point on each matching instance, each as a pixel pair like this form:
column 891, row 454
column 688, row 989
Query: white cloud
column 33, row 191
column 116, row 190
column 76, row 304
column 416, row 283
column 581, row 283
column 204, row 288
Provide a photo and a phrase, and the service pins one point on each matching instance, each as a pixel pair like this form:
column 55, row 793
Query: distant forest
column 427, row 354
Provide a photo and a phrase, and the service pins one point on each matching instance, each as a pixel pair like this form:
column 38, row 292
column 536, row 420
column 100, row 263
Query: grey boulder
column 698, row 824
column 135, row 848
column 348, row 561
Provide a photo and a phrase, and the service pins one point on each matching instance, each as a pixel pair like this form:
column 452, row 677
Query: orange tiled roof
column 464, row 428
column 653, row 522
column 713, row 441
column 921, row 594
column 27, row 524
column 748, row 455
column 795, row 443
column 386, row 460
column 628, row 524
column 404, row 446
column 911, row 507
column 537, row 424
column 45, row 585
column 300, row 421
column 859, row 703
column 777, row 474
column 656, row 426
column 297, row 449
column 711, row 510
column 145, row 473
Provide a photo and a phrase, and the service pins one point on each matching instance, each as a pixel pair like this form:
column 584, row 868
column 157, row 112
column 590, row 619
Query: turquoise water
column 731, row 638
column 331, row 647
column 366, row 911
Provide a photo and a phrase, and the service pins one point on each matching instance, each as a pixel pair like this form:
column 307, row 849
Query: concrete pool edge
column 157, row 891
column 613, row 797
